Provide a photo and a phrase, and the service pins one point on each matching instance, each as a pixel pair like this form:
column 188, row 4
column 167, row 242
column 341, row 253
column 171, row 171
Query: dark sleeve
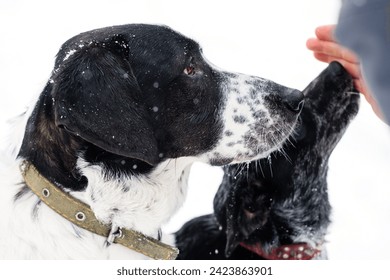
column 364, row 27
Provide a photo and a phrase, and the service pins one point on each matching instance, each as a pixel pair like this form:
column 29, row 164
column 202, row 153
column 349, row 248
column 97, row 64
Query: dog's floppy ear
column 96, row 97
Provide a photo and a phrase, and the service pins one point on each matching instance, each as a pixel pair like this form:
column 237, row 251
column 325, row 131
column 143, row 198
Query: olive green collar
column 82, row 215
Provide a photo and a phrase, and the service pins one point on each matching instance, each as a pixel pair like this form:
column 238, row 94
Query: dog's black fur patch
column 276, row 201
column 118, row 97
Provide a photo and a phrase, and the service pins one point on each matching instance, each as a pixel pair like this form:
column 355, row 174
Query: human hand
column 326, row 49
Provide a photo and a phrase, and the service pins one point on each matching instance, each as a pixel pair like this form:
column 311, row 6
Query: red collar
column 297, row 251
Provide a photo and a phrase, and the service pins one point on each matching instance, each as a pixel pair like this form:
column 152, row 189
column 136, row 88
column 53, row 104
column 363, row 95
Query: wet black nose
column 293, row 100
column 336, row 69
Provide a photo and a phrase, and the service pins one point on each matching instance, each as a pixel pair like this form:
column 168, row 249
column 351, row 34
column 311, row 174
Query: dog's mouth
column 258, row 116
column 256, row 144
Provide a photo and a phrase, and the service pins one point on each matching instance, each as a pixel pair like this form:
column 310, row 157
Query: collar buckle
column 115, row 232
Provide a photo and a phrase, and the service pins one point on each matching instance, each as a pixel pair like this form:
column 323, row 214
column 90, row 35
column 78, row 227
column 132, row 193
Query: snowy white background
column 263, row 38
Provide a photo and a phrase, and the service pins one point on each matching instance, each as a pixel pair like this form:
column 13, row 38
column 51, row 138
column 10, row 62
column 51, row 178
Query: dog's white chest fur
column 142, row 202
column 34, row 231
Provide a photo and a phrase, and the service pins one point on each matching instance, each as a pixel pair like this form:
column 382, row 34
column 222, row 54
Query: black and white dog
column 126, row 112
column 278, row 208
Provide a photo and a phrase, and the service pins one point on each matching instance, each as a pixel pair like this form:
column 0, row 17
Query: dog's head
column 147, row 92
column 274, row 200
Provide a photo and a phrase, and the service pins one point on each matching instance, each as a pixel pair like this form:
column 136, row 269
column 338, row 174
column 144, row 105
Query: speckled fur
column 254, row 121
column 283, row 199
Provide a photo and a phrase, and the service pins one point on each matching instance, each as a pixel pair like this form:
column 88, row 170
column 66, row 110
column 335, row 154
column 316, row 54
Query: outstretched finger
column 332, row 49
column 325, row 33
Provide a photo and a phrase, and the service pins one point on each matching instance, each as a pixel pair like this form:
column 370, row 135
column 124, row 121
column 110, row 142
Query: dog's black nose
column 293, row 100
column 336, row 68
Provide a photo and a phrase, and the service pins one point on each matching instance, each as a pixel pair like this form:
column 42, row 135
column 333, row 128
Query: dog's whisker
column 241, row 168
column 284, row 153
column 237, row 171
column 269, row 160
column 290, row 142
column 261, row 169
column 247, row 171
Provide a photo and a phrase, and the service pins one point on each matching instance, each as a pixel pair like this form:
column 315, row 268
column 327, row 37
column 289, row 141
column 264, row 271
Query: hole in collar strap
column 45, row 192
column 80, row 216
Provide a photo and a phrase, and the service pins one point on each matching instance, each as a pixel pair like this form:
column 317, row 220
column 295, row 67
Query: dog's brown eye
column 189, row 70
